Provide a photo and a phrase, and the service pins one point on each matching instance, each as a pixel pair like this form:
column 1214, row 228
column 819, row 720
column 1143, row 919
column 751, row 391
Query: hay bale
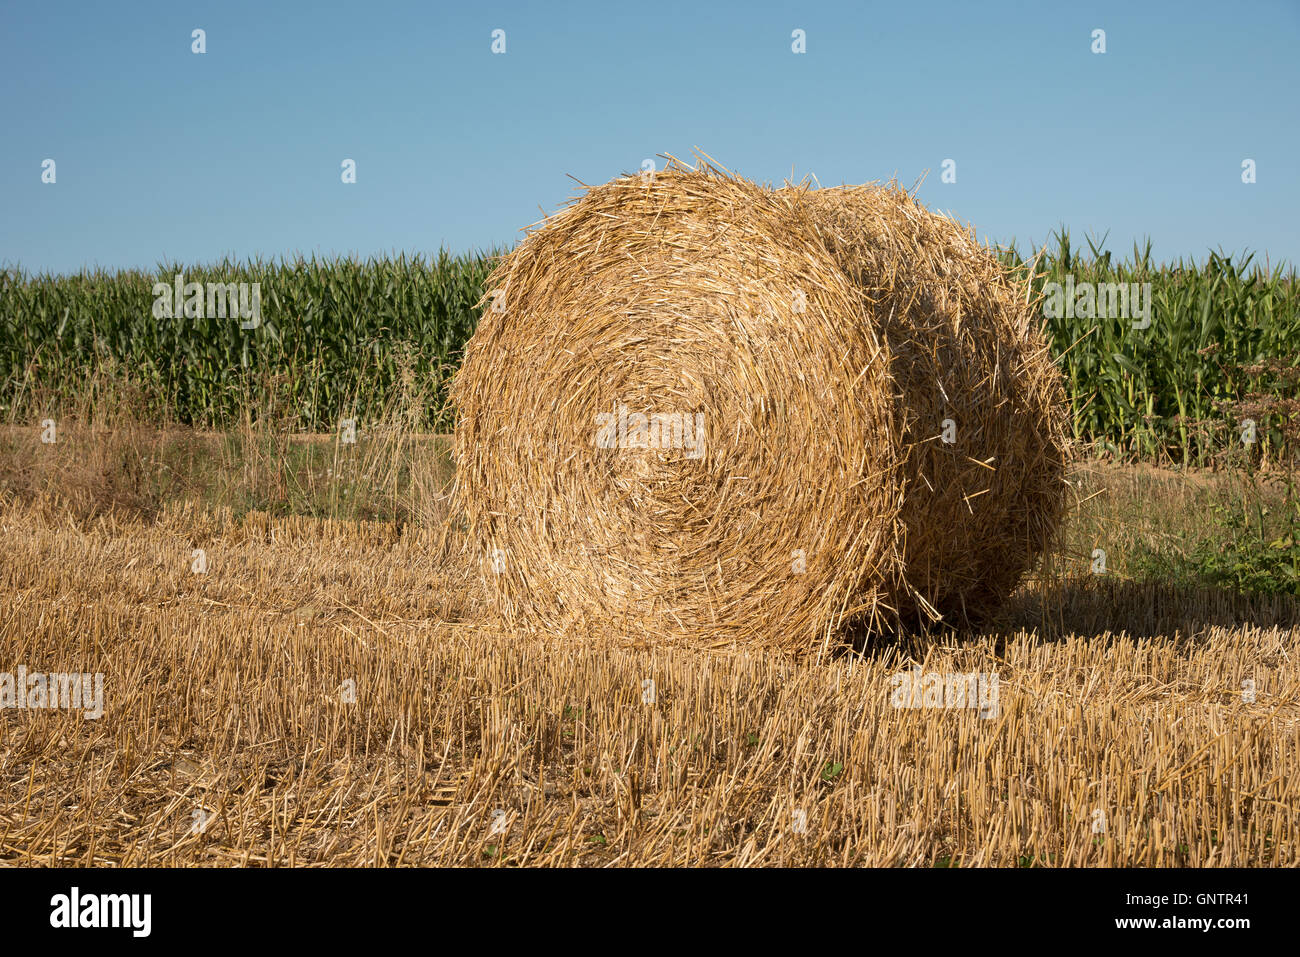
column 693, row 409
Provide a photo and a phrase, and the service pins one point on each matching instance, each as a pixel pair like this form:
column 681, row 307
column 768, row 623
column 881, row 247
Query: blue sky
column 165, row 154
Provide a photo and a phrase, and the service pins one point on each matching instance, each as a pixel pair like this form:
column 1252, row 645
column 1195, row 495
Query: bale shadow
column 1092, row 606
column 1096, row 605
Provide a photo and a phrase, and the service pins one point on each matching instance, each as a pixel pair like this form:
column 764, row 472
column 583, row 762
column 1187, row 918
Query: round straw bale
column 693, row 410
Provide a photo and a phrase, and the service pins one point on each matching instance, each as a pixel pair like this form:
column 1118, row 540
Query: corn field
column 342, row 337
column 335, row 337
column 1223, row 339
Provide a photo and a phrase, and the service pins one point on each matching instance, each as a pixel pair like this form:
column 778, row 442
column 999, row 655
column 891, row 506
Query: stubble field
column 329, row 692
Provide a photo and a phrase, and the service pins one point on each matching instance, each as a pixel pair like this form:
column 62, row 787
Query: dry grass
column 94, row 468
column 225, row 695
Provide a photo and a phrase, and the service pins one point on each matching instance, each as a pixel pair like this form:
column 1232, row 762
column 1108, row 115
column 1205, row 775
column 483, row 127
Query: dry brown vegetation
column 227, row 694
